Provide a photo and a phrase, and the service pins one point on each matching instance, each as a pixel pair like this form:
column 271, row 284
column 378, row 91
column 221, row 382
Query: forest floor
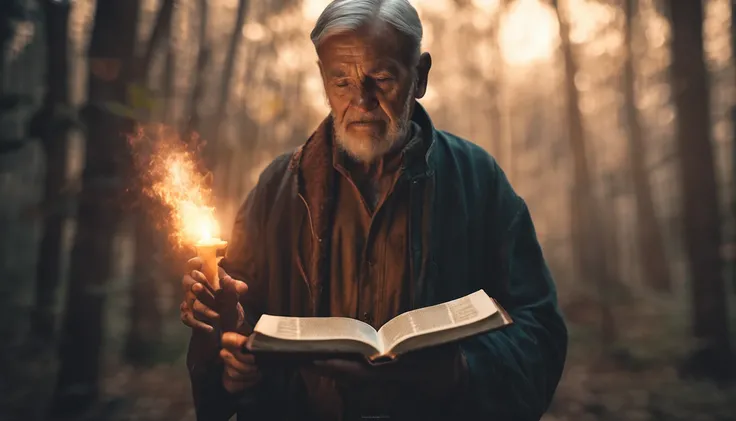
column 634, row 380
column 592, row 388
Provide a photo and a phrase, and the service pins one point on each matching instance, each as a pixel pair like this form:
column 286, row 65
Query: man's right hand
column 240, row 371
column 196, row 310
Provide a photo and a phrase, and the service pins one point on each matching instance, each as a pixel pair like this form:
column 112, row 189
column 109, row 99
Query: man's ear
column 425, row 63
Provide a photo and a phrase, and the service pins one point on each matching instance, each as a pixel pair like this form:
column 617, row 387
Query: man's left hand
column 436, row 372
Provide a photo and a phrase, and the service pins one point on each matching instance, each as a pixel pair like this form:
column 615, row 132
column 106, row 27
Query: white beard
column 366, row 149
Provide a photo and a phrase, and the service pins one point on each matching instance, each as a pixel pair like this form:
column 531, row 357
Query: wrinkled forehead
column 376, row 45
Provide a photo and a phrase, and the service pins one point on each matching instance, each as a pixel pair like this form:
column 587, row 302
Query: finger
column 188, row 319
column 233, row 285
column 245, row 357
column 203, row 294
column 233, row 341
column 233, row 373
column 232, row 360
column 187, row 282
column 199, row 276
column 241, row 287
column 194, row 263
column 234, row 386
column 204, row 311
column 242, row 381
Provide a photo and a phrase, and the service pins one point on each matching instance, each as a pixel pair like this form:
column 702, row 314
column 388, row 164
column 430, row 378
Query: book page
column 461, row 311
column 315, row 328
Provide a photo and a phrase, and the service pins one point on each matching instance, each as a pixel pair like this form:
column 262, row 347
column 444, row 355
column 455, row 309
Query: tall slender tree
column 587, row 220
column 701, row 219
column 160, row 33
column 219, row 150
column 51, row 124
column 733, row 142
column 100, row 212
column 229, row 67
column 651, row 248
column 499, row 109
column 192, row 116
column 144, row 333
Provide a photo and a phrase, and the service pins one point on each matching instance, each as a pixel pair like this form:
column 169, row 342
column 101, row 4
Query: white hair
column 349, row 15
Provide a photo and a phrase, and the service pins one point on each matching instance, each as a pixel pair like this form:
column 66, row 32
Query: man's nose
column 364, row 98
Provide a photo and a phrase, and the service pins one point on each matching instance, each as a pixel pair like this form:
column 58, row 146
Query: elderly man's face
column 371, row 85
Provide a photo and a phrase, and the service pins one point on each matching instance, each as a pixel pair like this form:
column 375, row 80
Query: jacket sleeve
column 243, row 261
column 513, row 373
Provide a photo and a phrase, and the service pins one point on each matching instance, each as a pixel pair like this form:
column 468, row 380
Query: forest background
column 617, row 115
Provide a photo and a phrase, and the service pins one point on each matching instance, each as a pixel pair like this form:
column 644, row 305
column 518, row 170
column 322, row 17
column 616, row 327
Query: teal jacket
column 468, row 230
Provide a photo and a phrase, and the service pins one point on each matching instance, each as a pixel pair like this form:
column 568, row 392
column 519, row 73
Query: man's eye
column 384, row 79
column 341, row 83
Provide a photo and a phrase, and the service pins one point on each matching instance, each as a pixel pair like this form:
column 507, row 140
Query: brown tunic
column 369, row 241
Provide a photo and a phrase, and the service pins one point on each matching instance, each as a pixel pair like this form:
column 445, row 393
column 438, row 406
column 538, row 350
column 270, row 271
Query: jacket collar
column 315, row 182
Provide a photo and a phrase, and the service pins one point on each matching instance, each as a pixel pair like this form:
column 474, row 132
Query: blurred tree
column 100, row 212
column 168, row 82
column 192, row 116
column 11, row 11
column 587, row 222
column 733, row 141
column 51, row 124
column 651, row 248
column 159, row 34
column 499, row 109
column 701, row 220
column 219, row 148
column 220, row 116
column 144, row 333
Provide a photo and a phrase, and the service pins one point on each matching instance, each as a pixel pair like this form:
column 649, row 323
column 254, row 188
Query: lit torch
column 173, row 178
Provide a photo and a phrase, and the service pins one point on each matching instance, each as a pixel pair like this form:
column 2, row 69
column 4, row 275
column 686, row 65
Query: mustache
column 365, row 120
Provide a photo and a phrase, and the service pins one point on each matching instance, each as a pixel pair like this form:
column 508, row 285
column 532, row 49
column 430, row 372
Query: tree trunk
column 226, row 87
column 192, row 116
column 161, row 30
column 651, row 248
column 169, row 91
column 591, row 254
column 499, row 110
column 51, row 125
column 100, row 211
column 702, row 229
column 144, row 334
column 733, row 143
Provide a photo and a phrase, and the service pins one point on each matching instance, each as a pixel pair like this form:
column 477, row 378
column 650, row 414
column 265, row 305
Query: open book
column 421, row 328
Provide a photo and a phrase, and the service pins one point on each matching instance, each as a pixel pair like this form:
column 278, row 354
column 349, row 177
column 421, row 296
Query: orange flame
column 171, row 176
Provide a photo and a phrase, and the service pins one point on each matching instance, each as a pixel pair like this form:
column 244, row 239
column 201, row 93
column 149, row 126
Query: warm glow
column 311, row 9
column 528, row 32
column 171, row 177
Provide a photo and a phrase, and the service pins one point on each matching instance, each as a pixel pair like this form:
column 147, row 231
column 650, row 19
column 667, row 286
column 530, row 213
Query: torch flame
column 172, row 178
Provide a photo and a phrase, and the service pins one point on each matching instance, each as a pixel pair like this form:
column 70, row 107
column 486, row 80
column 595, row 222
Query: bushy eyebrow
column 337, row 73
column 385, row 67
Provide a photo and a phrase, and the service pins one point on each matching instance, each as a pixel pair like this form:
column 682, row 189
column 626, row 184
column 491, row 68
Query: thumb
column 234, row 286
column 229, row 287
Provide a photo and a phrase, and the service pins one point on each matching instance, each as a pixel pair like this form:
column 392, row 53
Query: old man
column 377, row 213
